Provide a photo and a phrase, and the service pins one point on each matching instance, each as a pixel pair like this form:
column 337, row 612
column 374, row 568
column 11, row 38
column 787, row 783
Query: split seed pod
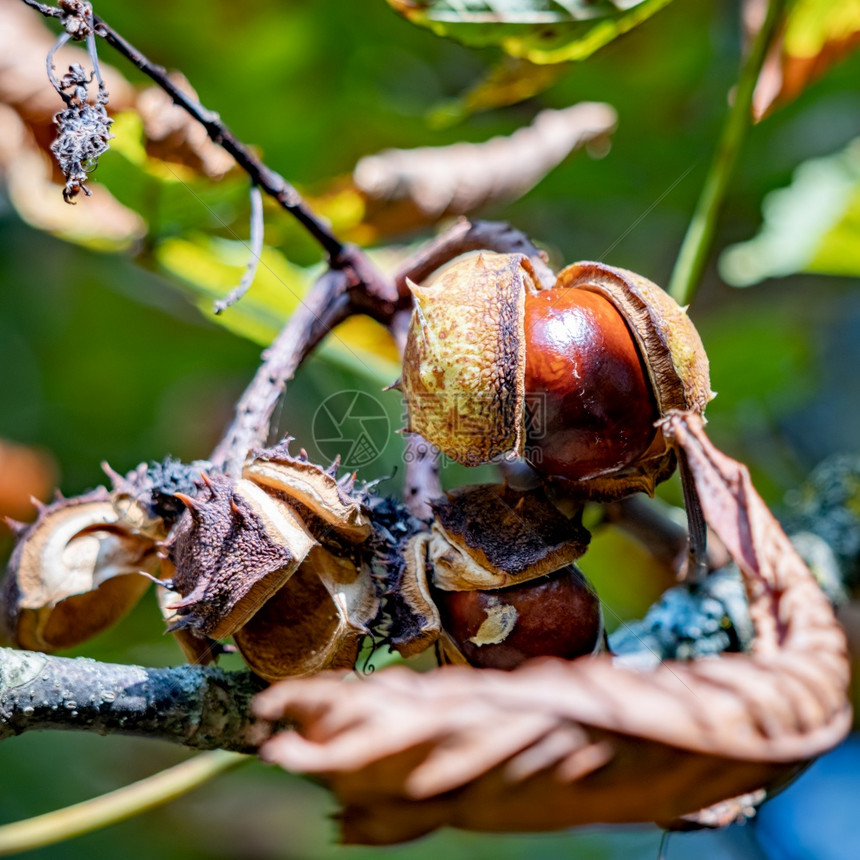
column 74, row 573
column 234, row 549
column 497, row 566
column 490, row 536
column 314, row 622
column 490, row 356
column 273, row 560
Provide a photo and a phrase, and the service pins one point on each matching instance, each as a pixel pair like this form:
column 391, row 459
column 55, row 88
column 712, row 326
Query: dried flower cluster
column 83, row 131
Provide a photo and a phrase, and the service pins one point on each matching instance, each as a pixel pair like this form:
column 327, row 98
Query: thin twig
column 272, row 183
column 468, row 236
column 47, row 11
column 697, row 242
column 256, row 249
column 116, row 806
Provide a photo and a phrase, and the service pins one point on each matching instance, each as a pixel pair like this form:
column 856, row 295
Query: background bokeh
column 104, row 357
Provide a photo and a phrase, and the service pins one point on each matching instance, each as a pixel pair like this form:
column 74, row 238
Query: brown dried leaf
column 555, row 743
column 407, row 189
column 173, row 135
column 74, row 573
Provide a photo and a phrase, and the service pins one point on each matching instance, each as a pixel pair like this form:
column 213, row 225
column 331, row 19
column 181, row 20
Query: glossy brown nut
column 552, row 616
column 465, row 369
column 589, row 401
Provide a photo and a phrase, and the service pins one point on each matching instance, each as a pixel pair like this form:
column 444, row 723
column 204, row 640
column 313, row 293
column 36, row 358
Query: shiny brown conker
column 552, row 616
column 589, row 401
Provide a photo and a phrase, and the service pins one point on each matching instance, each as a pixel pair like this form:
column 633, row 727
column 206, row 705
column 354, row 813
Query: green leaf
column 209, row 267
column 813, row 225
column 508, row 82
column 169, row 197
column 541, row 31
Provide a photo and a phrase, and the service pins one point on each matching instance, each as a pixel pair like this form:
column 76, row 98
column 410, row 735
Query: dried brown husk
column 275, row 469
column 558, row 743
column 464, row 362
column 74, row 573
column 491, row 536
column 413, row 622
column 233, row 549
column 673, row 356
column 314, row 622
column 198, row 650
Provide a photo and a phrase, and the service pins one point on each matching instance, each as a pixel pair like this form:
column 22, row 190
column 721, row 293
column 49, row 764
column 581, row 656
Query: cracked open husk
column 234, row 548
column 315, row 621
column 485, row 538
column 490, row 536
column 272, row 559
column 673, row 355
column 464, row 366
column 464, row 362
column 74, row 572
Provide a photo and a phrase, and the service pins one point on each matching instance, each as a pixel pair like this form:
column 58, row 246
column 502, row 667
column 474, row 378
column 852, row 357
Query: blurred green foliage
column 108, row 359
column 541, row 31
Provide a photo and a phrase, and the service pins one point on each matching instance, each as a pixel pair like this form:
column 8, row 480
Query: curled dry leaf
column 173, row 136
column 561, row 743
column 73, row 573
column 406, row 189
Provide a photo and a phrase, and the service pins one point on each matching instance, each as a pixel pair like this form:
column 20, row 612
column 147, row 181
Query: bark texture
column 201, row 708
